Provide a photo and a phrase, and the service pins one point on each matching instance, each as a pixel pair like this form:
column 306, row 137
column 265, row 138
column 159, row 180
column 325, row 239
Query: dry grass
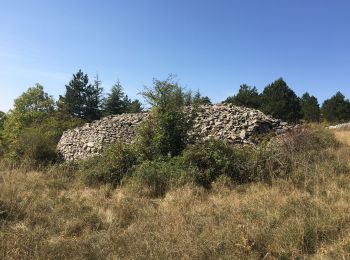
column 54, row 216
column 343, row 136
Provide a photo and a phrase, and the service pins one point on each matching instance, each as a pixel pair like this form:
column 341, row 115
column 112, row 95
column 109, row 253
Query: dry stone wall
column 221, row 121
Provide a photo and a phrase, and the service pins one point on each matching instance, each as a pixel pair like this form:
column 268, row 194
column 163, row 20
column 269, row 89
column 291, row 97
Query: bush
column 155, row 178
column 111, row 167
column 214, row 158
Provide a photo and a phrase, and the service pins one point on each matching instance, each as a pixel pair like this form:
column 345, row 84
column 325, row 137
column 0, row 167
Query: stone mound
column 237, row 125
column 344, row 126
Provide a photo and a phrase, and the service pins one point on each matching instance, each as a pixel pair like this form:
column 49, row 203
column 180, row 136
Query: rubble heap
column 221, row 121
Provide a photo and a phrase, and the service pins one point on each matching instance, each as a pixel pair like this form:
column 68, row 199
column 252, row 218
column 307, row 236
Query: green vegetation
column 118, row 103
column 82, row 99
column 164, row 196
column 336, row 109
column 165, row 132
column 281, row 102
column 247, row 96
column 310, row 108
column 299, row 212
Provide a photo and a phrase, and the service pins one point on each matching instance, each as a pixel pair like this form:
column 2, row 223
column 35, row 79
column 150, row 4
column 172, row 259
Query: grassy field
column 54, row 215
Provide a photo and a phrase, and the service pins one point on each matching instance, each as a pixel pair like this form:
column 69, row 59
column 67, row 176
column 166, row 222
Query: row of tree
column 36, row 122
column 280, row 101
column 84, row 100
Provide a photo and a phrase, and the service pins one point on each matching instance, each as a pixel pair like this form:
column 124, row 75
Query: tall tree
column 310, row 108
column 82, row 99
column 247, row 96
column 281, row 102
column 115, row 102
column 336, row 109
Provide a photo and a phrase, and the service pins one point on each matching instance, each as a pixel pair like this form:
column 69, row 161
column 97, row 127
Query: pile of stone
column 237, row 125
column 344, row 126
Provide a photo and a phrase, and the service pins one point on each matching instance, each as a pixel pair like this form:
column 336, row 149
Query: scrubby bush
column 214, row 158
column 155, row 178
column 284, row 155
column 111, row 167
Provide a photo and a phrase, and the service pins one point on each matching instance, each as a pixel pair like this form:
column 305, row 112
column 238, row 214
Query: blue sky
column 213, row 46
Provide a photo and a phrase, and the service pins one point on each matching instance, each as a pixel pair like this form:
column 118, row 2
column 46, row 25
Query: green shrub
column 214, row 158
column 155, row 178
column 115, row 163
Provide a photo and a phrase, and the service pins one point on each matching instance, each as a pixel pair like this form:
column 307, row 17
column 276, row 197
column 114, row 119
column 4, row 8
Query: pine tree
column 115, row 103
column 336, row 109
column 82, row 99
column 247, row 96
column 281, row 102
column 310, row 108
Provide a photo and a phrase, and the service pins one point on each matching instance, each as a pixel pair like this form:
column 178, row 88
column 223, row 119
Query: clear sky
column 212, row 45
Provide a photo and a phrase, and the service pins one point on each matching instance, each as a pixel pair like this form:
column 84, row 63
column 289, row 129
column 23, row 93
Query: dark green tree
column 82, row 99
column 336, row 109
column 115, row 101
column 281, row 102
column 310, row 108
column 247, row 96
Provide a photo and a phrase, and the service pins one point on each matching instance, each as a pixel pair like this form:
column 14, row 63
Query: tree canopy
column 82, row 99
column 336, row 109
column 310, row 108
column 117, row 102
column 32, row 107
column 281, row 102
column 247, row 96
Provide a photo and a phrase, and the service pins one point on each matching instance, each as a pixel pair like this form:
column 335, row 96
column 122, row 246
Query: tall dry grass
column 54, row 215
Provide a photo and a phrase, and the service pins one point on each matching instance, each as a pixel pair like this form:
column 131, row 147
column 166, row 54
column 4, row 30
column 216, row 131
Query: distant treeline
column 280, row 101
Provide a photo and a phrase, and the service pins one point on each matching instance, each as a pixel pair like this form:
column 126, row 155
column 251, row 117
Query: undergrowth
column 286, row 199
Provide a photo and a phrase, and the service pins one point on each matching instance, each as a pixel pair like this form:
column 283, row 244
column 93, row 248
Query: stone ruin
column 237, row 125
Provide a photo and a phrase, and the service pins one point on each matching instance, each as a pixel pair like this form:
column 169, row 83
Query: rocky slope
column 221, row 121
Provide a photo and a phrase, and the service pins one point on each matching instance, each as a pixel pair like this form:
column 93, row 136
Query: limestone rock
column 234, row 124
